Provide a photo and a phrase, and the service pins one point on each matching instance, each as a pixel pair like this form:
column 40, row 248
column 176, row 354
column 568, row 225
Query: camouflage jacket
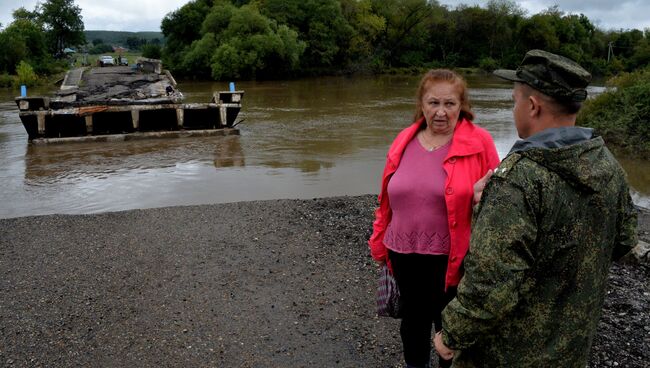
column 554, row 215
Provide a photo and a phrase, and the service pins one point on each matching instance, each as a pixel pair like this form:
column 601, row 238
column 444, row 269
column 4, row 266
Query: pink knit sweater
column 417, row 199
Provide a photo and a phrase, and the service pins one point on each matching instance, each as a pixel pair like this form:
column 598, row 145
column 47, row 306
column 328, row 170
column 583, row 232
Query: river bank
column 282, row 283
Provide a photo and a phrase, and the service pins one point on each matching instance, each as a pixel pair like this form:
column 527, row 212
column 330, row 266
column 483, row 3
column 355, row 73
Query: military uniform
column 552, row 218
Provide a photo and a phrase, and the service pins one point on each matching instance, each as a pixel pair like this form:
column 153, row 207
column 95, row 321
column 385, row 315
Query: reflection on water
column 55, row 163
column 228, row 153
column 299, row 139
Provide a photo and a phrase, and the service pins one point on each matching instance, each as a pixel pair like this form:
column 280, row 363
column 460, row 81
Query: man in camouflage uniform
column 552, row 218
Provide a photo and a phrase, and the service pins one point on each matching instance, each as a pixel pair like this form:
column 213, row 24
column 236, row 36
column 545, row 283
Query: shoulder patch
column 506, row 165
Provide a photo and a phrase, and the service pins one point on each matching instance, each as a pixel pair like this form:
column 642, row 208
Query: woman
column 422, row 225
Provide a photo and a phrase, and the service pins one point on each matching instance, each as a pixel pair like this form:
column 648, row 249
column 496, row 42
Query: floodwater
column 299, row 139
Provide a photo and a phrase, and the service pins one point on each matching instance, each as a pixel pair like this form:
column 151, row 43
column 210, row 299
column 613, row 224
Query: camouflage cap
column 551, row 74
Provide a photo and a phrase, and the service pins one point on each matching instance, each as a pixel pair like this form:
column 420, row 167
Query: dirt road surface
column 286, row 283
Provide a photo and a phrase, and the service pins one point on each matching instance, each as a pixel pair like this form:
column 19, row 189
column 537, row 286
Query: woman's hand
column 480, row 185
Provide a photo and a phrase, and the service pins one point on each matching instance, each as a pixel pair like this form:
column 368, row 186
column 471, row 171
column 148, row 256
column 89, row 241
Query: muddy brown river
column 306, row 138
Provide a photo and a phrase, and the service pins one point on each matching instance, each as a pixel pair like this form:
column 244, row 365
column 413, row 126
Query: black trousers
column 421, row 282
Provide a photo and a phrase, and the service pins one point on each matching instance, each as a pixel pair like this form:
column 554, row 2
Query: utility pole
column 610, row 51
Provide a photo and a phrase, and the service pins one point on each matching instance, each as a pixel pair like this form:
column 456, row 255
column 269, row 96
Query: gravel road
column 284, row 283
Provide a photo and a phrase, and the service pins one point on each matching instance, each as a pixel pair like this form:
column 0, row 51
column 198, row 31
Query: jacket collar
column 464, row 142
column 554, row 138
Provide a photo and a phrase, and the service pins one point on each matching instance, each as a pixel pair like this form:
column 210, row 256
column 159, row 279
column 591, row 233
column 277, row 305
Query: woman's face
column 441, row 106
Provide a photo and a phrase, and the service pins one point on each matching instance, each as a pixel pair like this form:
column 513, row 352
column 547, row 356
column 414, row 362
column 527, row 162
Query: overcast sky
column 145, row 15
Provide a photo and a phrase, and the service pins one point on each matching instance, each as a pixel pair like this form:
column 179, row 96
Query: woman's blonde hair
column 444, row 75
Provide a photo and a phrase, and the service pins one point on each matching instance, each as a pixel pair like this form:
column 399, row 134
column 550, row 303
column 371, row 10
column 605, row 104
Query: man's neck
column 553, row 121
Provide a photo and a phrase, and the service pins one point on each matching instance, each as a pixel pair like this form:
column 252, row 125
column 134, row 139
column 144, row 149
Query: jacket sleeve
column 500, row 254
column 492, row 155
column 626, row 227
column 378, row 250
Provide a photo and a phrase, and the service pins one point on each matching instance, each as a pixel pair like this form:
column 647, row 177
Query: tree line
column 102, row 41
column 98, row 46
column 225, row 39
column 262, row 39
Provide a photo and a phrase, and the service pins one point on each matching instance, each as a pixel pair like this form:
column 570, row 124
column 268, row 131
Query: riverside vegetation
column 622, row 113
column 33, row 44
column 224, row 39
column 243, row 39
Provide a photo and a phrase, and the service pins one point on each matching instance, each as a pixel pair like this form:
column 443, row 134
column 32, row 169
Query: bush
column 102, row 48
column 488, row 64
column 6, row 80
column 622, row 114
column 151, row 51
column 26, row 74
column 452, row 60
column 413, row 57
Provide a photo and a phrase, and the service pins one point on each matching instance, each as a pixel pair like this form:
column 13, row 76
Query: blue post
column 23, row 91
column 232, row 86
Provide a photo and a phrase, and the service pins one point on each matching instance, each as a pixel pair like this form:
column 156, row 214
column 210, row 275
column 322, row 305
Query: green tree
column 538, row 32
column 320, row 23
column 181, row 28
column 231, row 42
column 63, row 25
column 218, row 18
column 101, row 48
column 251, row 45
column 151, row 51
column 442, row 37
column 625, row 44
column 405, row 37
column 24, row 14
column 133, row 43
column 641, row 56
column 24, row 39
column 222, row 38
column 367, row 27
column 15, row 50
column 473, row 26
column 197, row 60
column 622, row 114
column 26, row 74
column 504, row 17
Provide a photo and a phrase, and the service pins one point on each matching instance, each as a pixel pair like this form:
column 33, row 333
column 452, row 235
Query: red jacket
column 471, row 155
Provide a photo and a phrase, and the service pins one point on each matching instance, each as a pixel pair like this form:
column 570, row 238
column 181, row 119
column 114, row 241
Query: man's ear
column 534, row 106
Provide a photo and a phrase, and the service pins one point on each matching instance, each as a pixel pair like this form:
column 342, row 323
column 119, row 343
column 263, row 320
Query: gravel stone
column 283, row 283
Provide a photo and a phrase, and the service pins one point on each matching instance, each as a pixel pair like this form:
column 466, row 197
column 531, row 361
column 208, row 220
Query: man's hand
column 480, row 185
column 441, row 348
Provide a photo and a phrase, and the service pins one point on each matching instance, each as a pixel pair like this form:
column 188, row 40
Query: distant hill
column 120, row 38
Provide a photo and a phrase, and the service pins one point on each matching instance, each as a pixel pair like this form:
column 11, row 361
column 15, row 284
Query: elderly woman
column 434, row 173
